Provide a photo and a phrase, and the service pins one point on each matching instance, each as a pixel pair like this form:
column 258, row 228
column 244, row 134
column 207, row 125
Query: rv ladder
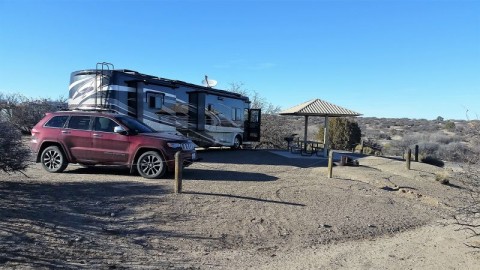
column 102, row 72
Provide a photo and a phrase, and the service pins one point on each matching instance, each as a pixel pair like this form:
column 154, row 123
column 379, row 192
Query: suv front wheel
column 53, row 160
column 151, row 165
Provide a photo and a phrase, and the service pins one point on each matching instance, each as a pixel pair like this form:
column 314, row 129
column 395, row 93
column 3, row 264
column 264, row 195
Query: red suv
column 91, row 138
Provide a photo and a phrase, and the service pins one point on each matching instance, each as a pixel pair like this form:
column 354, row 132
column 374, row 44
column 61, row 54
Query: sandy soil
column 239, row 210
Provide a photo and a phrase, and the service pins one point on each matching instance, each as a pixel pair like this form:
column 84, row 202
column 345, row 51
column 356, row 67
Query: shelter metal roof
column 318, row 107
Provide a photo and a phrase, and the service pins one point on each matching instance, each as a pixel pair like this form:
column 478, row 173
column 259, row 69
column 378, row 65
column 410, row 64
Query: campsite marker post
column 178, row 172
column 416, row 153
column 409, row 156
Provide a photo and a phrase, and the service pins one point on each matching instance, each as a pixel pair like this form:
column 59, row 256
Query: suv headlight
column 174, row 145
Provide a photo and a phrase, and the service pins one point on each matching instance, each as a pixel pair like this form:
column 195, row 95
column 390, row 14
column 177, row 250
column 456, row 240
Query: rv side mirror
column 120, row 130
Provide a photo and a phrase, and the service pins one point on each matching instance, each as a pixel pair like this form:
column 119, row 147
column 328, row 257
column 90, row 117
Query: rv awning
column 318, row 107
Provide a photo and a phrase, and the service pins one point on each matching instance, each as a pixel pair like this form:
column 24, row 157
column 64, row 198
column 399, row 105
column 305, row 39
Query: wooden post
column 416, row 153
column 409, row 154
column 178, row 172
column 330, row 164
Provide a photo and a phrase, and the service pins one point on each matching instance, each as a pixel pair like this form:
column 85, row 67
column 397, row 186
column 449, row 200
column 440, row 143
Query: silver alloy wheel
column 151, row 165
column 53, row 159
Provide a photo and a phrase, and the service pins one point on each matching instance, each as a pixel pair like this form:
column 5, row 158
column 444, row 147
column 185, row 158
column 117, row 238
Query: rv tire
column 237, row 142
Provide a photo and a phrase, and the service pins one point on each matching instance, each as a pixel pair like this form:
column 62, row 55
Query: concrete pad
column 288, row 154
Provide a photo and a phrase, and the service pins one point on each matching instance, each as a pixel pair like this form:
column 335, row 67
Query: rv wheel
column 237, row 142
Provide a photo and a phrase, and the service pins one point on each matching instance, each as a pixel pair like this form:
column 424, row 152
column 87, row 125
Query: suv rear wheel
column 53, row 160
column 151, row 165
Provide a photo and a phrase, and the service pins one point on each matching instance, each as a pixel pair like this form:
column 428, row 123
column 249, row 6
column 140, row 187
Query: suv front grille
column 188, row 146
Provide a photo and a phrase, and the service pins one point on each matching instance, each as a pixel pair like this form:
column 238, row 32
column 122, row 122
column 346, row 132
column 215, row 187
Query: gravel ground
column 239, row 210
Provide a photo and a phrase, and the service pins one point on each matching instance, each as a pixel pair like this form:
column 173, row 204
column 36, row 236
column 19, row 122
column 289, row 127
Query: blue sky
column 413, row 58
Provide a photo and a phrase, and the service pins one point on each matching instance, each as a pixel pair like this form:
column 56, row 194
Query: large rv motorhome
column 210, row 117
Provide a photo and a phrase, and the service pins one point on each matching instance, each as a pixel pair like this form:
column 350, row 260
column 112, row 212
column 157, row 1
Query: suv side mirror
column 120, row 130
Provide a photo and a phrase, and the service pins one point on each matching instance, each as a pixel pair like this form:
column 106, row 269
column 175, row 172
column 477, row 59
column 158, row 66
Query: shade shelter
column 318, row 107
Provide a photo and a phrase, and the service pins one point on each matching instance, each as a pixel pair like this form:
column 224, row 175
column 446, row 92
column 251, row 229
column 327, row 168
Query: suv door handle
column 97, row 135
column 65, row 132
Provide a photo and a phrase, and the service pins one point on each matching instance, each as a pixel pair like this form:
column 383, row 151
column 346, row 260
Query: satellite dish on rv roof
column 209, row 83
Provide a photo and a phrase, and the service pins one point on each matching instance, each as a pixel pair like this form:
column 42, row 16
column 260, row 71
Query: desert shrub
column 384, row 136
column 387, row 149
column 343, row 133
column 14, row 154
column 432, row 161
column 437, row 145
column 427, row 148
column 450, row 126
column 442, row 177
column 368, row 150
column 274, row 129
column 454, row 151
column 467, row 215
column 442, row 138
column 407, row 142
column 24, row 112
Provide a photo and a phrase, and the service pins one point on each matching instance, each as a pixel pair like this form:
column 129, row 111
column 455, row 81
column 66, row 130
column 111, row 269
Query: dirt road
column 240, row 210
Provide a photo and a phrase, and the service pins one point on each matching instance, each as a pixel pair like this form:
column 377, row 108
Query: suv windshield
column 134, row 125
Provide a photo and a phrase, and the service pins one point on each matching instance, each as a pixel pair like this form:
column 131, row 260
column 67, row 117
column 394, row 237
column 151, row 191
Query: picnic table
column 307, row 148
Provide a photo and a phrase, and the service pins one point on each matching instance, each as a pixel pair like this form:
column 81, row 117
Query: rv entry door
column 252, row 125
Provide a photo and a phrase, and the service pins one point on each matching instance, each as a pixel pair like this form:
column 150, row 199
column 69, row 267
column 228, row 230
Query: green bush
column 432, row 161
column 450, row 126
column 343, row 133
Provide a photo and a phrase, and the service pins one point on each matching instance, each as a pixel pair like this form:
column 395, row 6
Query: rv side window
column 155, row 101
column 237, row 114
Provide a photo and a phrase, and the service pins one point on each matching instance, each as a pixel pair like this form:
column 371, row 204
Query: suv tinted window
column 79, row 122
column 134, row 125
column 57, row 121
column 104, row 124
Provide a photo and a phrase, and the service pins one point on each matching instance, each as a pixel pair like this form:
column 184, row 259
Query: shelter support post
column 325, row 138
column 330, row 164
column 306, row 134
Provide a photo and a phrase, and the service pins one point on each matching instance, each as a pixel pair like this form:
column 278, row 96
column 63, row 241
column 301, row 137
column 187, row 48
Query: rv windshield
column 134, row 125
